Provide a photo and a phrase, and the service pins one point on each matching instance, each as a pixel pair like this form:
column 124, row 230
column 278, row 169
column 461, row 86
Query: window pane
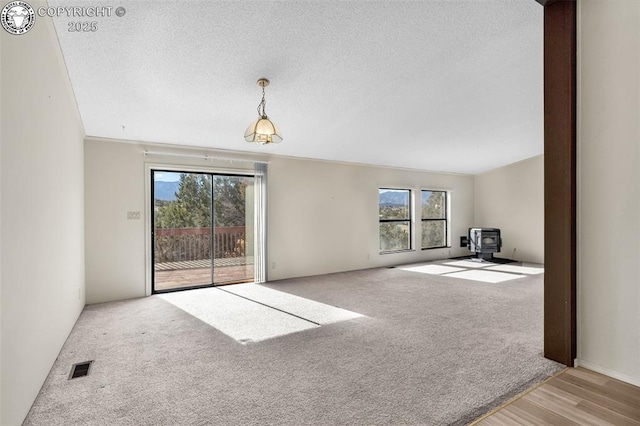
column 434, row 205
column 233, row 229
column 394, row 203
column 433, row 233
column 182, row 234
column 394, row 236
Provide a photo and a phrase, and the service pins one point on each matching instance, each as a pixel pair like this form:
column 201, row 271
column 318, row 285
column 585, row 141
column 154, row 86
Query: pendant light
column 263, row 131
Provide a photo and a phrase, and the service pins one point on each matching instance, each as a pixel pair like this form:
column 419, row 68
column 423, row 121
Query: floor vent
column 80, row 369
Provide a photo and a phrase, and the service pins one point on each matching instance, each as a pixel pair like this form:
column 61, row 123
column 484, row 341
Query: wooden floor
column 576, row 396
column 178, row 278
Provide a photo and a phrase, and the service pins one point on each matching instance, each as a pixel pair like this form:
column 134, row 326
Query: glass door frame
column 150, row 168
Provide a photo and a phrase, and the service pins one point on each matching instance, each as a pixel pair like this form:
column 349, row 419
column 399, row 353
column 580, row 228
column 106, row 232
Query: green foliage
column 394, row 212
column 434, row 207
column 192, row 207
column 394, row 236
column 229, row 204
column 433, row 233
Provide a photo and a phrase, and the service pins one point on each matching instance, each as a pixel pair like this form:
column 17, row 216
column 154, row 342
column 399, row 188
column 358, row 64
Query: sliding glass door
column 203, row 229
column 233, row 224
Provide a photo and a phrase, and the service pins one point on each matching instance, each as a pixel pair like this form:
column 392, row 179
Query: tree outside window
column 434, row 219
column 395, row 219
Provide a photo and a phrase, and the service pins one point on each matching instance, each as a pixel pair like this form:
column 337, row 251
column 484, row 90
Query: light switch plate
column 133, row 215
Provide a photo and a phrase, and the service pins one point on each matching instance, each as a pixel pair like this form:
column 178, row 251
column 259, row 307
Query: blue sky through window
column 166, row 176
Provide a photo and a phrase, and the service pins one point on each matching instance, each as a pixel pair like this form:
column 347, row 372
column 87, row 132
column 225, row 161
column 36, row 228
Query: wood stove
column 484, row 242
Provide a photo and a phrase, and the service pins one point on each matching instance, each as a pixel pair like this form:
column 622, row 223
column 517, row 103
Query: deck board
column 180, row 278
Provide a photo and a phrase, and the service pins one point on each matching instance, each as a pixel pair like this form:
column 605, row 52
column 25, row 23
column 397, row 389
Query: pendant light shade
column 263, row 130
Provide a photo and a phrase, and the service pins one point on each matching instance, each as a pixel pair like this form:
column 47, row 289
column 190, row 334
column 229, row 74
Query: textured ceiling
column 447, row 85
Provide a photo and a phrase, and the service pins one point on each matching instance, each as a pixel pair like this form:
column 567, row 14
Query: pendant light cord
column 263, row 104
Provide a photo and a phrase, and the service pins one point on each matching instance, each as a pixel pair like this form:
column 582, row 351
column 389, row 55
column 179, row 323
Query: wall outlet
column 133, row 215
column 273, row 265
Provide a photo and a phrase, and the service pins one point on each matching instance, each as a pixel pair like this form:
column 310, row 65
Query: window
column 395, row 219
column 434, row 219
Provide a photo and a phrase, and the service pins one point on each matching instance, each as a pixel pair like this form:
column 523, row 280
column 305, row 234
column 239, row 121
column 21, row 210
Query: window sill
column 397, row 251
column 436, row 248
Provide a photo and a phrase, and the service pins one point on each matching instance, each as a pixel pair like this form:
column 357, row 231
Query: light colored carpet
column 304, row 308
column 517, row 269
column 469, row 264
column 484, row 276
column 432, row 350
column 432, row 269
column 239, row 318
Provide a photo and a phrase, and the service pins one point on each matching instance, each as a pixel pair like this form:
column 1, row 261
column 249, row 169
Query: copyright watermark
column 79, row 12
column 82, row 11
column 18, row 17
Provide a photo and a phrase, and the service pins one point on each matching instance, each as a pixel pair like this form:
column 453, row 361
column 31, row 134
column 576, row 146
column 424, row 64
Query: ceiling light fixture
column 263, row 131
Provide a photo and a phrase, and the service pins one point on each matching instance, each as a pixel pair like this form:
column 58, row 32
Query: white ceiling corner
column 447, row 85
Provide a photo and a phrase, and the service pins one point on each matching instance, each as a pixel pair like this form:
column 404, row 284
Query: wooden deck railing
column 185, row 244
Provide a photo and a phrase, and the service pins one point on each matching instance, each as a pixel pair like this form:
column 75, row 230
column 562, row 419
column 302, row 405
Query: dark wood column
column 560, row 180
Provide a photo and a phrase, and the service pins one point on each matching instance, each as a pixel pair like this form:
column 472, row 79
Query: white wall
column 512, row 198
column 115, row 177
column 42, row 263
column 322, row 216
column 609, row 187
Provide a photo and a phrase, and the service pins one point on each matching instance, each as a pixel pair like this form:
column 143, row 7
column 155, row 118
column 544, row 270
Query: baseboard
column 607, row 372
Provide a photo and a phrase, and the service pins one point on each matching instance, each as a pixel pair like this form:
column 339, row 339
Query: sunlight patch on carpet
column 527, row 270
column 432, row 269
column 299, row 306
column 484, row 276
column 238, row 318
column 469, row 264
